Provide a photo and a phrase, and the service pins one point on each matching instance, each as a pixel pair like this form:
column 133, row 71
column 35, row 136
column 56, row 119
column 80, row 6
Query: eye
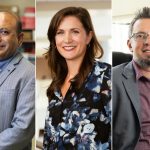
column 140, row 36
column 4, row 32
column 75, row 31
column 59, row 32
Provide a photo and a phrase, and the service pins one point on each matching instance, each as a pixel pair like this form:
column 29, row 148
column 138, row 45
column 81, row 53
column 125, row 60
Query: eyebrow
column 140, row 32
column 4, row 29
column 69, row 29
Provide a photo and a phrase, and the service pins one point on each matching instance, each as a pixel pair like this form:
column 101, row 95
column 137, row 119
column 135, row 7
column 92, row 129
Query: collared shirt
column 5, row 62
column 83, row 119
column 144, row 92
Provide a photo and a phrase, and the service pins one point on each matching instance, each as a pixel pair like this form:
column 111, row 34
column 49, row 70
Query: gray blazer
column 126, row 108
column 17, row 98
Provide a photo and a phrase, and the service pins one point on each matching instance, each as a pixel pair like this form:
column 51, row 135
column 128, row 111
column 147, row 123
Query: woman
column 79, row 96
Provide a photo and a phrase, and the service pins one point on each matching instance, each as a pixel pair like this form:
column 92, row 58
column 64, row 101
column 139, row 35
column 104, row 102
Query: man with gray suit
column 17, row 88
column 131, row 88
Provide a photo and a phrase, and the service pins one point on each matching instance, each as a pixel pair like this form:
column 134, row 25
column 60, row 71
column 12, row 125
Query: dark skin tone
column 9, row 39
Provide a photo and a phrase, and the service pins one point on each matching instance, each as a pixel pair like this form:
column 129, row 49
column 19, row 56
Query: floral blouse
column 82, row 120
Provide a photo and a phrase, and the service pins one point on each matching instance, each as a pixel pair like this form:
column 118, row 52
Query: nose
column 147, row 40
column 67, row 38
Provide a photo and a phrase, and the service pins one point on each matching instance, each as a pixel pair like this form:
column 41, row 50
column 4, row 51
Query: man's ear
column 20, row 39
column 129, row 45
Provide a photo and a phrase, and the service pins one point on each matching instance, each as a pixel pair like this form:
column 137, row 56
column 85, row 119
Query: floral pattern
column 82, row 121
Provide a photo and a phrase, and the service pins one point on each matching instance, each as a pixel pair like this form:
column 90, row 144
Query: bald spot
column 8, row 20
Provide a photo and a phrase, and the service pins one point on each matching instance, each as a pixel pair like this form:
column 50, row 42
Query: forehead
column 7, row 20
column 70, row 21
column 142, row 25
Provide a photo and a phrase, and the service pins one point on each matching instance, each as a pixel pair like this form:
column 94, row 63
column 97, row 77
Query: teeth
column 146, row 51
column 69, row 47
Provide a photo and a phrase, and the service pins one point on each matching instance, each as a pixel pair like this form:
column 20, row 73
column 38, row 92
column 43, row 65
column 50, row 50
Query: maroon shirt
column 144, row 92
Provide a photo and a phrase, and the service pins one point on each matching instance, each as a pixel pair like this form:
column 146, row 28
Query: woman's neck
column 73, row 68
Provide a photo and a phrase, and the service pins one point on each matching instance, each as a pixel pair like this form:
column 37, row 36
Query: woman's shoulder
column 100, row 68
column 101, row 65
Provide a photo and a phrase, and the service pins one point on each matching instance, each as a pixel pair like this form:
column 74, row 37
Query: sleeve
column 23, row 123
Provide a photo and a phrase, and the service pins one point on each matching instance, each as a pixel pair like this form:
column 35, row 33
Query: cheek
column 81, row 41
column 12, row 41
column 84, row 43
column 137, row 46
column 59, row 44
column 58, row 40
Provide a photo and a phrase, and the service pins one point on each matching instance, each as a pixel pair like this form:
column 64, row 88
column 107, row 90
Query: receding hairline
column 11, row 14
column 16, row 18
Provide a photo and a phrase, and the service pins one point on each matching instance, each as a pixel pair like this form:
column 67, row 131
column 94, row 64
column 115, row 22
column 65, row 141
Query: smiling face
column 72, row 39
column 9, row 40
column 141, row 49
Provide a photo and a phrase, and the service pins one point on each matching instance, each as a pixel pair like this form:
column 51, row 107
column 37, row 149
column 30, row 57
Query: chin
column 68, row 58
column 144, row 63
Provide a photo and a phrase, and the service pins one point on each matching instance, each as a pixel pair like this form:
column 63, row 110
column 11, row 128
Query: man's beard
column 143, row 63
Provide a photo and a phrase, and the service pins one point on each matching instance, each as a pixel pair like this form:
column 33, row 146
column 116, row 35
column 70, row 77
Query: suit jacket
column 17, row 98
column 126, row 108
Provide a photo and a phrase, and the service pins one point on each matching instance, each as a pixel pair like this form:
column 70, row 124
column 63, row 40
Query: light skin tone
column 71, row 42
column 140, row 49
column 9, row 39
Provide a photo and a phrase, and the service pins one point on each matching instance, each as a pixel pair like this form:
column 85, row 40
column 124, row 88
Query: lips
column 2, row 46
column 146, row 50
column 68, row 48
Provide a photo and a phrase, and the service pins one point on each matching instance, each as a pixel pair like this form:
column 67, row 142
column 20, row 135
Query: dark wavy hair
column 57, row 63
column 144, row 13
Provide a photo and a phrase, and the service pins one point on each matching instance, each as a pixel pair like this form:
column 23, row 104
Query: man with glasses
column 17, row 87
column 131, row 89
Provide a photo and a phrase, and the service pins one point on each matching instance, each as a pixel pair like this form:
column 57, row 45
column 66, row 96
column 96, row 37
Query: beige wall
column 124, row 10
column 21, row 3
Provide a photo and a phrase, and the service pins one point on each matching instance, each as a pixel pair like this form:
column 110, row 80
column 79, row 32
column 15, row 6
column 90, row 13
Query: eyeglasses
column 140, row 36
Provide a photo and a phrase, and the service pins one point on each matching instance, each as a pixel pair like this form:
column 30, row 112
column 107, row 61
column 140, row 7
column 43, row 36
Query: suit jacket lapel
column 10, row 68
column 130, row 85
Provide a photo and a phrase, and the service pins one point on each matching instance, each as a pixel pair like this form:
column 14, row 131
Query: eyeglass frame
column 143, row 39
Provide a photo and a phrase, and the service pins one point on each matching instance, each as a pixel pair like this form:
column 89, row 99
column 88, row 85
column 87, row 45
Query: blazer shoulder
column 26, row 66
column 24, row 71
column 119, row 68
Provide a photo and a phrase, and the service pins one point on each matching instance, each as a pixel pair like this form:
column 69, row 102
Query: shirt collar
column 5, row 62
column 138, row 70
